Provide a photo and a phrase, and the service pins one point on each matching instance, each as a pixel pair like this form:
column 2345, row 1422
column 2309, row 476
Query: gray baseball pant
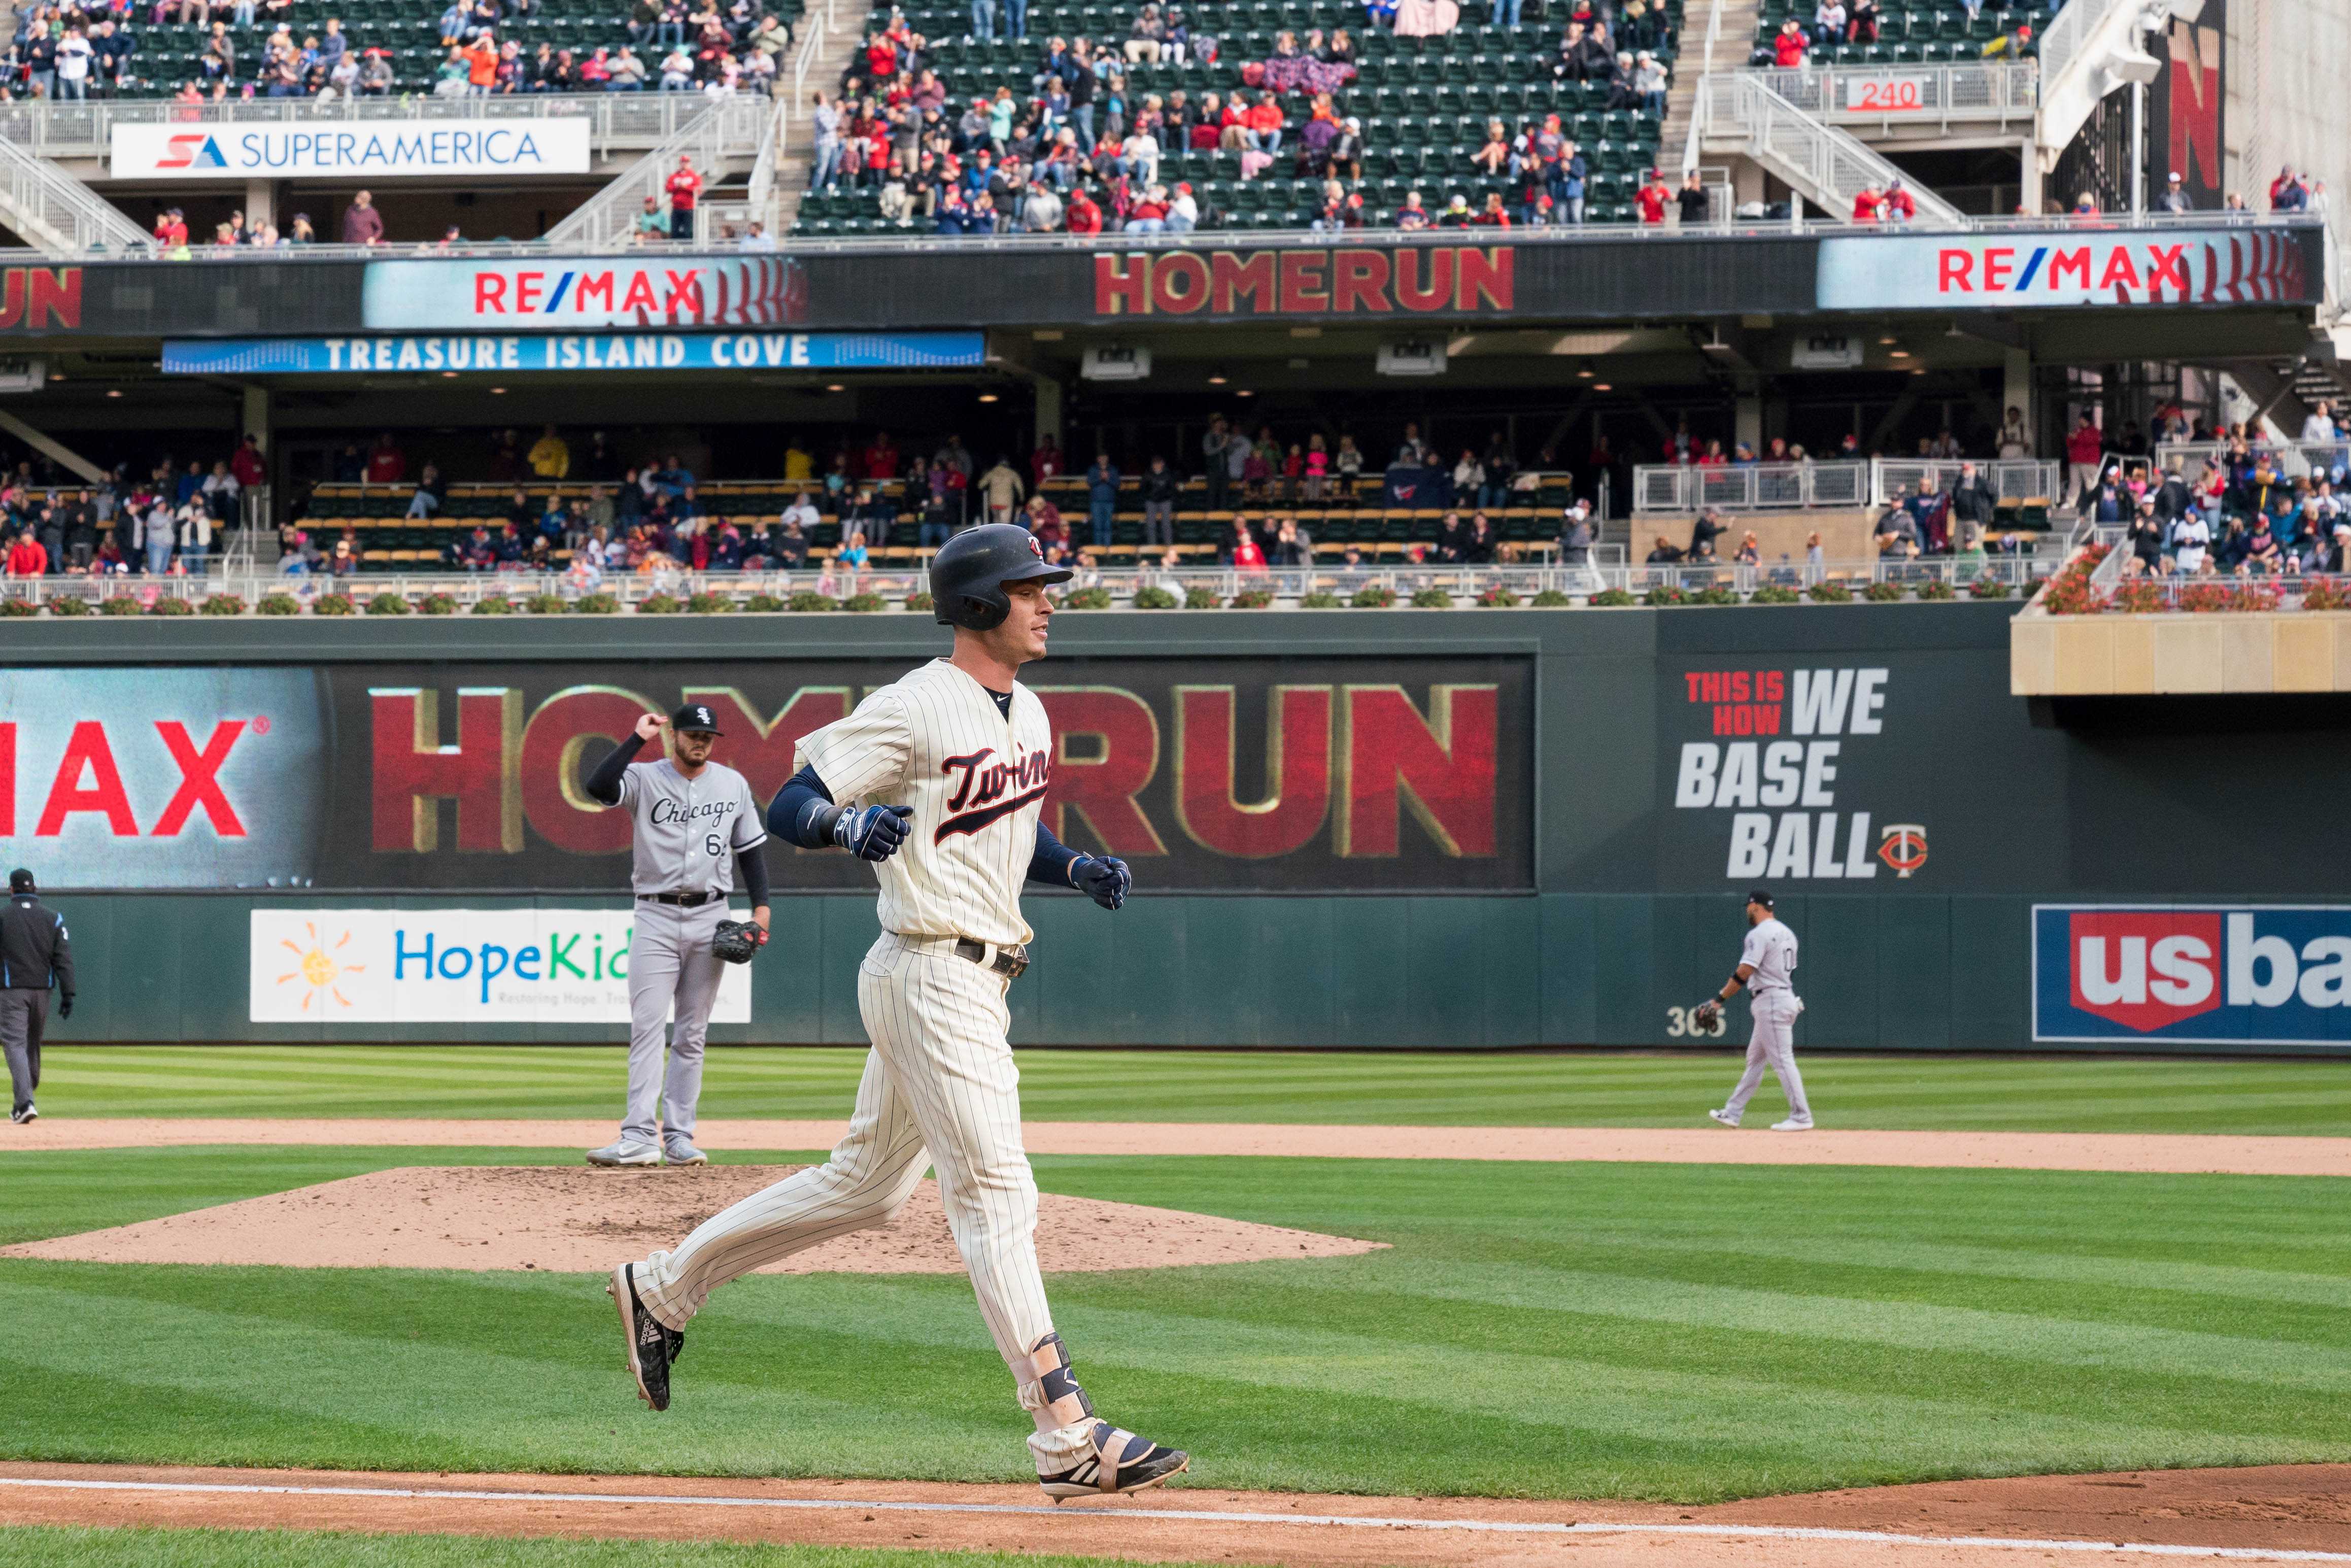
column 23, row 1014
column 670, row 961
column 1772, row 1045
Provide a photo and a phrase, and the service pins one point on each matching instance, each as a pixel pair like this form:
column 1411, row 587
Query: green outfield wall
column 1409, row 829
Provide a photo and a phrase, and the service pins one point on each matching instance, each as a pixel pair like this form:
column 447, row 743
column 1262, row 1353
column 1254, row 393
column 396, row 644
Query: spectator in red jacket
column 1787, row 45
column 1653, row 198
column 2083, row 448
column 882, row 457
column 683, row 185
column 247, row 466
column 26, row 558
column 363, row 225
column 1085, row 218
column 1048, row 459
column 387, row 465
column 1868, row 204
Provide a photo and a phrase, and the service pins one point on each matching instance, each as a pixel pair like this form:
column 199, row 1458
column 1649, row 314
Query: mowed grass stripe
column 1521, row 1337
column 2093, row 1094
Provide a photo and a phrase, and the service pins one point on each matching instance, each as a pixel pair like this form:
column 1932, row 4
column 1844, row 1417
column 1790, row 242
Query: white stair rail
column 2074, row 53
column 610, row 215
column 1827, row 166
column 57, row 213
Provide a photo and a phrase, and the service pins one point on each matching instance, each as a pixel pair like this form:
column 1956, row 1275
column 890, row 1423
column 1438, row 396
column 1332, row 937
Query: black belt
column 683, row 900
column 1009, row 961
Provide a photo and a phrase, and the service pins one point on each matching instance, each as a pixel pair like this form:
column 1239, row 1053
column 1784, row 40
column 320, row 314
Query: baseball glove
column 736, row 940
column 1705, row 1015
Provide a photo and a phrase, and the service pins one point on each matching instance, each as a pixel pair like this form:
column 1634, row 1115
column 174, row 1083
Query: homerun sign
column 369, row 150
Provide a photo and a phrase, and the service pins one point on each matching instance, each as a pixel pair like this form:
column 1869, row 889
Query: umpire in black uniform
column 36, row 956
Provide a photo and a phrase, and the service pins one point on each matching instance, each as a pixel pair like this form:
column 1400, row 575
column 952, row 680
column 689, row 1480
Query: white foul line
column 1359, row 1521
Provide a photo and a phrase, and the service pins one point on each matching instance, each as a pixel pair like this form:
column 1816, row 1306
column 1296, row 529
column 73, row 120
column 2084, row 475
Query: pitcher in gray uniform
column 695, row 822
column 1767, row 968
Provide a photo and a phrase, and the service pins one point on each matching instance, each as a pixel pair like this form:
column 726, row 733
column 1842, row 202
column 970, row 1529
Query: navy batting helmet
column 968, row 574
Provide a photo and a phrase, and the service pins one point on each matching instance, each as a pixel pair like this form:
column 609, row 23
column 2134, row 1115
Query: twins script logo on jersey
column 985, row 792
column 2249, row 975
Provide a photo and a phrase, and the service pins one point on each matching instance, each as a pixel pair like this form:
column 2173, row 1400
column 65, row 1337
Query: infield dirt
column 2282, row 1509
column 576, row 1219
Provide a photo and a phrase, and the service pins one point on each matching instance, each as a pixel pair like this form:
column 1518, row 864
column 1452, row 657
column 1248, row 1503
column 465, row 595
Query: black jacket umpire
column 36, row 956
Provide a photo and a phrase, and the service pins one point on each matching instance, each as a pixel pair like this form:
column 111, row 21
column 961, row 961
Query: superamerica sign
column 2009, row 271
column 226, row 152
column 1345, row 281
column 2219, row 973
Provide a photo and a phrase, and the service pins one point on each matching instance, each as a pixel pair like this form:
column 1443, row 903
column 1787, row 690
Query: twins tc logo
column 192, row 151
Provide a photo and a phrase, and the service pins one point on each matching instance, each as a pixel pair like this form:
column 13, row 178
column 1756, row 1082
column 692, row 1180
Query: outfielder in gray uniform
column 695, row 821
column 1767, row 968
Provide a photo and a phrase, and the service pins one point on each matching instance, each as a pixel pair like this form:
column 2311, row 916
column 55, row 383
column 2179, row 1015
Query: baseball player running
column 1767, row 968
column 36, row 958
column 938, row 779
column 694, row 822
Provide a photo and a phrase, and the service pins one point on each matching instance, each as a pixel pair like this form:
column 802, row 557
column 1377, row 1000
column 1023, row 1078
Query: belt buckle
column 1010, row 962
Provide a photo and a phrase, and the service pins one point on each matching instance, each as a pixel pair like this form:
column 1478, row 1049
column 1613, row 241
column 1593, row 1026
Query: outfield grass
column 69, row 1548
column 2073, row 1094
column 1576, row 1330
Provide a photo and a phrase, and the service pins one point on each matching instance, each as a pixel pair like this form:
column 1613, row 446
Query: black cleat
column 652, row 1346
column 1121, row 1462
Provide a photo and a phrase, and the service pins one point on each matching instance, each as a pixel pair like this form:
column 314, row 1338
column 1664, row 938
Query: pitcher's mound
column 574, row 1219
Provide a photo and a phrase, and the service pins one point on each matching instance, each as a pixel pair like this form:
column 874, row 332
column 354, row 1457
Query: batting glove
column 1104, row 880
column 873, row 833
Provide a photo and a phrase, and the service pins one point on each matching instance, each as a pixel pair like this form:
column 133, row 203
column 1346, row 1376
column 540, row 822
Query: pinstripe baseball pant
column 940, row 1089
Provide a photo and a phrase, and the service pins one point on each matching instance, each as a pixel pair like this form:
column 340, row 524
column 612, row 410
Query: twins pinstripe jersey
column 1772, row 948
column 935, row 740
column 688, row 831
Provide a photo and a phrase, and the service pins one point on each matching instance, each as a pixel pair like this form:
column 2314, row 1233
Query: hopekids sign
column 1773, row 774
column 2094, row 267
column 452, row 965
column 2251, row 974
column 367, row 149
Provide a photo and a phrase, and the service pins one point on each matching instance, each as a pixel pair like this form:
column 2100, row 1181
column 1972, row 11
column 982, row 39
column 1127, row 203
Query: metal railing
column 2070, row 35
column 2294, row 458
column 1828, row 165
column 1867, row 94
column 1800, row 486
column 805, row 243
column 727, row 128
column 618, row 120
column 59, row 214
column 1461, row 585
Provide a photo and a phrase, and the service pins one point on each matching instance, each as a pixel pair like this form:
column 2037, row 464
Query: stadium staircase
column 1739, row 114
column 1712, row 46
column 56, row 214
column 727, row 132
column 818, row 62
column 1425, row 104
column 2077, row 58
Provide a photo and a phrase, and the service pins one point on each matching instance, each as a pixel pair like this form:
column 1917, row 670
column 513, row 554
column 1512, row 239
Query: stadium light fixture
column 988, row 397
column 497, row 392
column 448, row 375
column 1583, row 373
column 836, row 386
column 1602, row 386
column 1245, row 393
column 114, row 392
column 1217, row 376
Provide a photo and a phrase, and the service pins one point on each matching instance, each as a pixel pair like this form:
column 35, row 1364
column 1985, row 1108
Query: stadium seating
column 392, row 541
column 1424, row 102
column 409, row 31
column 1939, row 32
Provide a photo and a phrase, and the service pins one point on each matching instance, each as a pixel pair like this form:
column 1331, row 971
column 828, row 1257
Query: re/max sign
column 1458, row 279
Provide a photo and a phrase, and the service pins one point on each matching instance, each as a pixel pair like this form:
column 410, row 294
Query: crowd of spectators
column 1081, row 153
column 164, row 523
column 84, row 48
column 2237, row 513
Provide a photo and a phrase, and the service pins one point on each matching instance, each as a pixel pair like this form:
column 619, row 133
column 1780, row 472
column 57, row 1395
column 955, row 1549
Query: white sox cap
column 694, row 716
